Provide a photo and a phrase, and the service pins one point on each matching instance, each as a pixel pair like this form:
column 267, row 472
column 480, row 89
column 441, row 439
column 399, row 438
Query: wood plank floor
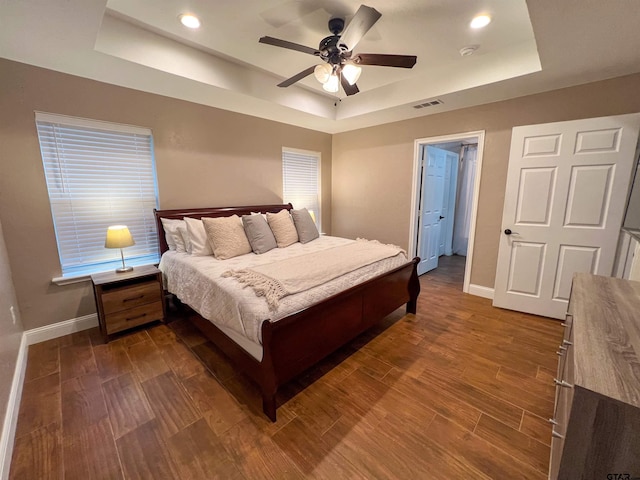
column 460, row 390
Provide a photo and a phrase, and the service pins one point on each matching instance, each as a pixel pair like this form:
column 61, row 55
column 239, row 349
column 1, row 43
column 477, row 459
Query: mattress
column 235, row 308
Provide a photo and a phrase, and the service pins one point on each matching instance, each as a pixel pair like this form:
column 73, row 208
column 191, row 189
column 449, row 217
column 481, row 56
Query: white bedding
column 197, row 281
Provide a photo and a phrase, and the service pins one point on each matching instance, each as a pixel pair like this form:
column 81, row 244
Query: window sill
column 70, row 280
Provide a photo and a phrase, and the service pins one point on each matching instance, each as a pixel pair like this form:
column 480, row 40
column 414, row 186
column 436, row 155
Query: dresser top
column 606, row 336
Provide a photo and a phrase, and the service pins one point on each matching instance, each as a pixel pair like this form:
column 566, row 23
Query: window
column 98, row 174
column 301, row 180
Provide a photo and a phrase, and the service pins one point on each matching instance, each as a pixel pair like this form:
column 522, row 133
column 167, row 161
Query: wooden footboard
column 298, row 341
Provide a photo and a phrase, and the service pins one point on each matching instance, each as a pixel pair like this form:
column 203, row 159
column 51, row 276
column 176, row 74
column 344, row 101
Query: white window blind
column 98, row 174
column 301, row 180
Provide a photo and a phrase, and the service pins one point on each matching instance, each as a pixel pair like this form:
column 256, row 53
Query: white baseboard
column 481, row 291
column 30, row 337
column 13, row 408
column 60, row 329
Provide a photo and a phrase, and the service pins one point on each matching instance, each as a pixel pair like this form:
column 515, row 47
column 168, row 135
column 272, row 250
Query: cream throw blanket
column 293, row 275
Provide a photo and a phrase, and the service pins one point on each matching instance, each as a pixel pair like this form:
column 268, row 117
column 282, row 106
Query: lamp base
column 124, row 269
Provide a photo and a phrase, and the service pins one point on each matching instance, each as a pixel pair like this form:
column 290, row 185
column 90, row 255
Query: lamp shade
column 118, row 236
column 322, row 72
column 333, row 84
column 351, row 73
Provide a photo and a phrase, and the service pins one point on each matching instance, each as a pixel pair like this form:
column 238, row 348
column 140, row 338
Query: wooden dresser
column 596, row 426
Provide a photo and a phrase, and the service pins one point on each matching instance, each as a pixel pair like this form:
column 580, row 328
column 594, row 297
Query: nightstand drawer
column 126, row 300
column 132, row 317
column 131, row 296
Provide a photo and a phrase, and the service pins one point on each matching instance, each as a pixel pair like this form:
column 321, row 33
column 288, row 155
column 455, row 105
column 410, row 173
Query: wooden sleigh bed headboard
column 179, row 214
column 296, row 342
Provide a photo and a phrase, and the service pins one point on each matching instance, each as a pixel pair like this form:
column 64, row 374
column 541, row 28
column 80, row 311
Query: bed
column 288, row 345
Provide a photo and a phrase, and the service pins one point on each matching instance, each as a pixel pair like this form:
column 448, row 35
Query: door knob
column 509, row 232
column 441, row 217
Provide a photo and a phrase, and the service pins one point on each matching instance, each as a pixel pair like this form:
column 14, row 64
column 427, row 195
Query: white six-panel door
column 433, row 173
column 448, row 203
column 567, row 185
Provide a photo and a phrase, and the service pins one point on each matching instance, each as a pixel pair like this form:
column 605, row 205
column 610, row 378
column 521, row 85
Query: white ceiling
column 529, row 47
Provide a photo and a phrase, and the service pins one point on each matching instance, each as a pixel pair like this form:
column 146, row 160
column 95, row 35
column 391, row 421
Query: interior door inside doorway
column 437, row 165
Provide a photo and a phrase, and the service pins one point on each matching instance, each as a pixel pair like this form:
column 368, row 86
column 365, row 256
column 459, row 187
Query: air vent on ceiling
column 429, row 104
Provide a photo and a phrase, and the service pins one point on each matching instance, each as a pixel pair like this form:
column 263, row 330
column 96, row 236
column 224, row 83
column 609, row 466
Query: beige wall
column 372, row 167
column 10, row 332
column 204, row 157
column 210, row 157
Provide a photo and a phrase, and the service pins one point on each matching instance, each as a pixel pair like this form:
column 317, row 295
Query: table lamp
column 118, row 236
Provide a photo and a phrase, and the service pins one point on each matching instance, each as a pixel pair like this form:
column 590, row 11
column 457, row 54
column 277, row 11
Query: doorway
column 446, row 180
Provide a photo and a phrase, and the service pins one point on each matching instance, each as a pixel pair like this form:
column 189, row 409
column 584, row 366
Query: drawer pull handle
column 562, row 383
column 564, row 349
column 556, row 434
column 567, row 342
column 133, row 298
column 552, row 421
column 135, row 318
column 560, row 353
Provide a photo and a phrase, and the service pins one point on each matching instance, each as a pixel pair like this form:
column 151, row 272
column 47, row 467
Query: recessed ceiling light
column 190, row 21
column 480, row 21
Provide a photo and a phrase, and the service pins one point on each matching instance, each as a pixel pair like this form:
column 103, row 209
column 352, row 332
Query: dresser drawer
column 563, row 403
column 131, row 296
column 132, row 317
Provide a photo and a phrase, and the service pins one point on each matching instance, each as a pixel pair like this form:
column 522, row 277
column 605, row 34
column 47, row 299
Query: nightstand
column 127, row 300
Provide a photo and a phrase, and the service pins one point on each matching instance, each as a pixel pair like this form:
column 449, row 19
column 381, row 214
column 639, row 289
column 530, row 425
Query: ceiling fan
column 341, row 66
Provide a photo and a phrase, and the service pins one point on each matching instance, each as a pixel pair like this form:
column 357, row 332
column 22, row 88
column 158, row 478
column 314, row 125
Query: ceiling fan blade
column 359, row 25
column 384, row 60
column 290, row 45
column 299, row 76
column 347, row 87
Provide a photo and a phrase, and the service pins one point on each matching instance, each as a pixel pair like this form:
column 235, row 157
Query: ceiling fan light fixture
column 322, row 72
column 351, row 73
column 333, row 84
column 337, row 52
column 189, row 20
column 480, row 21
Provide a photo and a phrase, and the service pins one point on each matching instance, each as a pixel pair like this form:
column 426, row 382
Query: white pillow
column 283, row 228
column 183, row 245
column 170, row 225
column 198, row 237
